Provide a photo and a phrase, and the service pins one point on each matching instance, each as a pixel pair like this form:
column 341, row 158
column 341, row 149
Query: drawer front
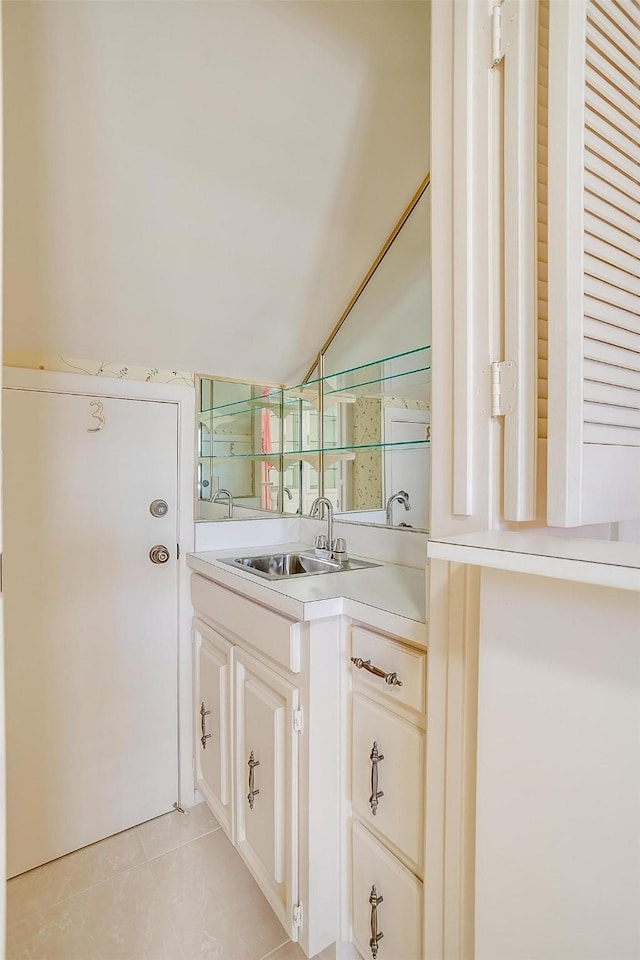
column 267, row 631
column 388, row 761
column 387, row 902
column 391, row 657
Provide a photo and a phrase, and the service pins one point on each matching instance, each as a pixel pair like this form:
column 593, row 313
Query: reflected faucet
column 224, row 493
column 401, row 497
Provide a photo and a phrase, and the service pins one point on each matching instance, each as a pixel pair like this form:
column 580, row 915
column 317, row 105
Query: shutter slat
column 614, row 77
column 614, row 217
column 596, row 247
column 624, row 126
column 597, row 186
column 614, row 376
column 610, row 143
column 608, row 354
column 596, row 328
column 623, row 280
column 628, row 304
column 629, row 15
column 616, row 35
column 610, row 174
column 615, row 416
column 606, row 95
column 611, row 394
column 596, row 227
column 611, row 436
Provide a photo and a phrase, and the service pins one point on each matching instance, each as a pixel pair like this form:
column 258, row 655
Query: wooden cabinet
column 212, row 734
column 387, row 752
column 266, row 739
column 387, row 902
column 266, row 777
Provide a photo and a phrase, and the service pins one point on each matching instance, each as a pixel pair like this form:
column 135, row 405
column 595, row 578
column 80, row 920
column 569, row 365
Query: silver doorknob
column 158, row 554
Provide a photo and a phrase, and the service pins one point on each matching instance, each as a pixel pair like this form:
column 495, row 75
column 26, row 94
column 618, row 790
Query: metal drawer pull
column 251, row 763
column 375, row 758
column 374, row 900
column 390, row 678
column 205, row 736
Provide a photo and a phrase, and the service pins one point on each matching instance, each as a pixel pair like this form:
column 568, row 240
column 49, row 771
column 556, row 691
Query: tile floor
column 171, row 889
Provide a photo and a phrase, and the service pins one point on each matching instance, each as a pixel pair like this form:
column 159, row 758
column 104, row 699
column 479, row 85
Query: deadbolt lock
column 159, row 508
column 158, row 554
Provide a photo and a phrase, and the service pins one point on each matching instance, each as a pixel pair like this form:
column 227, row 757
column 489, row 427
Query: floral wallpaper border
column 97, row 368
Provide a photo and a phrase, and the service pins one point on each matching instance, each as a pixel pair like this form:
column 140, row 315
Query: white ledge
column 602, row 562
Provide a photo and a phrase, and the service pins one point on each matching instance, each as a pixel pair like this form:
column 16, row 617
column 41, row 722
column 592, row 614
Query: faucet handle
column 322, row 547
column 339, row 549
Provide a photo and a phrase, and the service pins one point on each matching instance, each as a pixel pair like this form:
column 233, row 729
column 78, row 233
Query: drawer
column 391, row 657
column 397, row 915
column 262, row 628
column 398, row 813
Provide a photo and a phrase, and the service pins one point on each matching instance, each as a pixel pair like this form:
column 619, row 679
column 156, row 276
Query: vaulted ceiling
column 202, row 185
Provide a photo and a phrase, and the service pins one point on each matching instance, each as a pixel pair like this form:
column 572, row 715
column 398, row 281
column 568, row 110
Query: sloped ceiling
column 202, row 185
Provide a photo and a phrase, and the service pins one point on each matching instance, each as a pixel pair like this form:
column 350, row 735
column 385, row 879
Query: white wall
column 558, row 789
column 202, row 185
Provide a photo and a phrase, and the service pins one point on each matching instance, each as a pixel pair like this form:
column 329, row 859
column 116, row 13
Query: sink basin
column 278, row 566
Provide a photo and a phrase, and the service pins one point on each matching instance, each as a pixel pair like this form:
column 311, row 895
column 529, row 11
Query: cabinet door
column 387, row 902
column 388, row 758
column 267, row 782
column 212, row 738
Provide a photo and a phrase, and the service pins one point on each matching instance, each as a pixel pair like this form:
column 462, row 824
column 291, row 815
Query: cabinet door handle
column 375, row 758
column 390, row 678
column 376, row 935
column 252, row 764
column 205, row 736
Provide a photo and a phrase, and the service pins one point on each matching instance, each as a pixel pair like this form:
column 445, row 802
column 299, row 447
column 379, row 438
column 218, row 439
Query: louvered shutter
column 594, row 262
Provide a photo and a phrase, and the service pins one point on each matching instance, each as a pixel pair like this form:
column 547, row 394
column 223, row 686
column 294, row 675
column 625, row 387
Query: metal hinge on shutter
column 297, row 914
column 497, row 52
column 504, row 387
column 297, row 721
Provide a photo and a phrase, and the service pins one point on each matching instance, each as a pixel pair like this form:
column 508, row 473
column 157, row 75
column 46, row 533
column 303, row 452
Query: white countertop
column 390, row 597
column 600, row 562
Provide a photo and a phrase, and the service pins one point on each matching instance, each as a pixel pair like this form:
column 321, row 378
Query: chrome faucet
column 327, row 506
column 326, row 546
column 224, row 493
column 401, row 497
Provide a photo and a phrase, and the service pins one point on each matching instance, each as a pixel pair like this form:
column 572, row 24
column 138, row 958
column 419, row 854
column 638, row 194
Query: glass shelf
column 299, row 454
column 271, row 400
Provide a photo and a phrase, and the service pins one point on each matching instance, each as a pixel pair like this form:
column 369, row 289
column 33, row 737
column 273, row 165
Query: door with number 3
column 91, row 623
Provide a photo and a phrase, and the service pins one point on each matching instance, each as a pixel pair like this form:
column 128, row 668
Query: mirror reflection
column 358, row 430
column 377, row 387
column 239, row 448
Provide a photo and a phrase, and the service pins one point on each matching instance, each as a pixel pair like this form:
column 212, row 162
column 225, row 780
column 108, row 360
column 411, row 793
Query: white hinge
column 297, row 914
column 504, row 388
column 297, row 721
column 497, row 53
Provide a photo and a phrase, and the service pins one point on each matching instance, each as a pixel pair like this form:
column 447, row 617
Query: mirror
column 357, row 430
column 239, row 449
column 376, row 386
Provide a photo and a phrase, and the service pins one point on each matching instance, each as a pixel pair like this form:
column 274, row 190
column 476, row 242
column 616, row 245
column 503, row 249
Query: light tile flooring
column 171, row 889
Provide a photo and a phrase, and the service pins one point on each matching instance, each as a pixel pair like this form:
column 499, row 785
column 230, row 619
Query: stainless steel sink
column 278, row 566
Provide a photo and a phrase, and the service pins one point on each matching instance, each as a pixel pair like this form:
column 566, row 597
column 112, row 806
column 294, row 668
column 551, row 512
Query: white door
column 91, row 622
column 408, row 467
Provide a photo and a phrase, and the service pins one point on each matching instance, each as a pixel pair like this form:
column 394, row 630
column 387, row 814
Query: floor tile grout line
column 92, row 886
column 185, row 844
column 275, row 949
